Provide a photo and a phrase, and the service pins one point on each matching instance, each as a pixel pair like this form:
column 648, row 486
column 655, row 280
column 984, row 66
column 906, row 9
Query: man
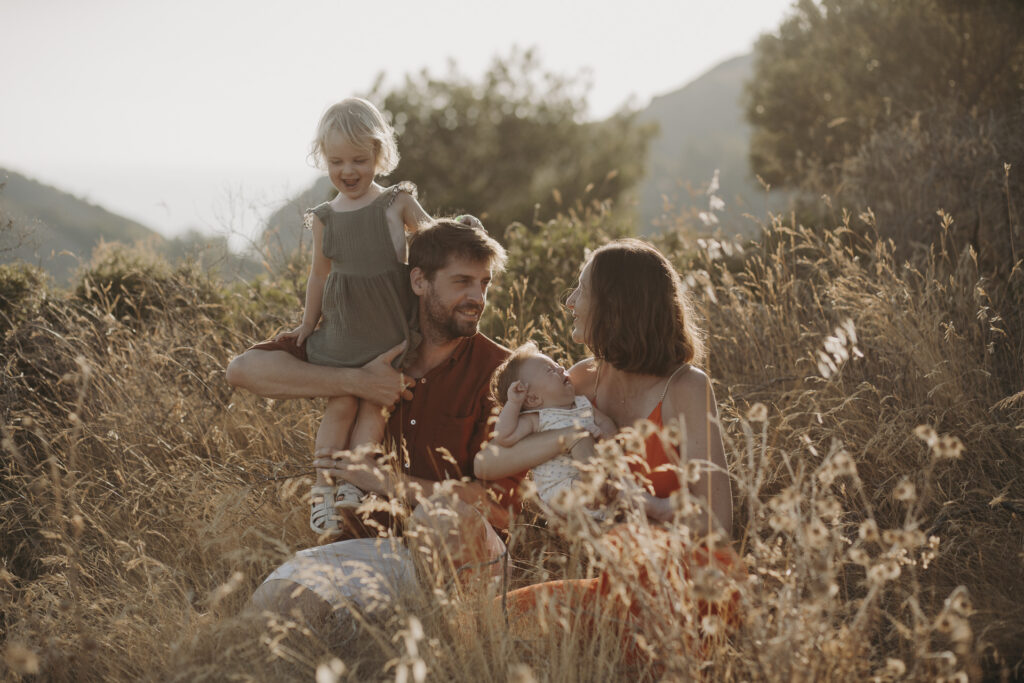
column 440, row 404
column 440, row 414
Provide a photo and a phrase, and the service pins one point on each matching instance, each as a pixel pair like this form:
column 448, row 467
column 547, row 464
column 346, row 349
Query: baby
column 536, row 395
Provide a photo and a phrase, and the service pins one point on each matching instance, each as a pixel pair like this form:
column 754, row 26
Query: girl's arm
column 318, row 271
column 692, row 400
column 413, row 215
column 494, row 461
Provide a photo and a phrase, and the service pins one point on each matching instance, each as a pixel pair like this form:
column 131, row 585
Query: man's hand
column 380, row 383
column 300, row 334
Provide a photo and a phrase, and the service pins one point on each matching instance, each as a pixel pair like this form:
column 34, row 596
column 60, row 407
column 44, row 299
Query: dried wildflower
column 891, row 537
column 959, row 601
column 886, row 570
column 948, row 447
column 945, row 622
column 779, row 522
column 817, row 534
column 926, row 434
column 631, row 441
column 673, row 434
column 868, row 530
column 330, row 672
column 828, row 508
column 757, row 413
column 692, row 471
column 645, row 428
column 905, row 491
column 858, row 556
column 711, row 624
column 895, row 667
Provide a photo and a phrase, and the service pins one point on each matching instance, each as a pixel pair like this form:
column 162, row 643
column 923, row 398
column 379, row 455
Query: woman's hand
column 300, row 334
column 658, row 509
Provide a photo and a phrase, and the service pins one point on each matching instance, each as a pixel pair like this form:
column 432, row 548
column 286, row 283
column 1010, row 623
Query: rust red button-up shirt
column 447, row 419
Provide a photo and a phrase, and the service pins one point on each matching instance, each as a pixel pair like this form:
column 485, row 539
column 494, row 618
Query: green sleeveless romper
column 368, row 303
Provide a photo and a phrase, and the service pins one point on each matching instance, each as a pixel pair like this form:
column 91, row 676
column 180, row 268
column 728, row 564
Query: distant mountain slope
column 702, row 129
column 55, row 221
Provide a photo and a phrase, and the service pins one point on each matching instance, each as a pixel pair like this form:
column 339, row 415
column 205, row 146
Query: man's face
column 453, row 301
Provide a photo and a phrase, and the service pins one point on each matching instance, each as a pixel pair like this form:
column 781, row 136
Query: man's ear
column 418, row 280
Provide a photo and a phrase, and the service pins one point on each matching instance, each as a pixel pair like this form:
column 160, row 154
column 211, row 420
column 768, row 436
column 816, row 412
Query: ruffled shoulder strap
column 401, row 186
column 321, row 211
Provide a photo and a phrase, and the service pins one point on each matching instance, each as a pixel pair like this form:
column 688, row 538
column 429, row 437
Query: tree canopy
column 839, row 70
column 499, row 146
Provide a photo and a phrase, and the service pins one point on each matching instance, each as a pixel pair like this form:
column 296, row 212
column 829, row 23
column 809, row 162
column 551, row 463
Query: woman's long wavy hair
column 640, row 316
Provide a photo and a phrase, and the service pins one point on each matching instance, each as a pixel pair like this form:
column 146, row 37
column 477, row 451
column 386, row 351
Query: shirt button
column 412, row 422
column 423, row 381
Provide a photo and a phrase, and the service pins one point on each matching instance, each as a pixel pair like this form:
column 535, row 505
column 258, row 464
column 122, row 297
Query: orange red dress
column 647, row 569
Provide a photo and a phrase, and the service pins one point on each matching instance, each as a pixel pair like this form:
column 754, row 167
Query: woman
column 631, row 311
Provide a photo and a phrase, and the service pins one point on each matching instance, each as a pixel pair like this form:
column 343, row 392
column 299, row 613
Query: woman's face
column 580, row 305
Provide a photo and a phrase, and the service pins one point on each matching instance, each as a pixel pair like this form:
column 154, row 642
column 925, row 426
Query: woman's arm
column 494, row 461
column 692, row 400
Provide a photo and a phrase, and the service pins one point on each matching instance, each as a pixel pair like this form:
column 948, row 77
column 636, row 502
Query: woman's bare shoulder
column 583, row 376
column 690, row 391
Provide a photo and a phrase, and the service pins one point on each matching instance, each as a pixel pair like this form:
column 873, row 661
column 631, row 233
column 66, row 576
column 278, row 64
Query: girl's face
column 350, row 167
column 579, row 304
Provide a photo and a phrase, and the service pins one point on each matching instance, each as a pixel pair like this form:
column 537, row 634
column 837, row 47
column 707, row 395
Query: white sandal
column 322, row 503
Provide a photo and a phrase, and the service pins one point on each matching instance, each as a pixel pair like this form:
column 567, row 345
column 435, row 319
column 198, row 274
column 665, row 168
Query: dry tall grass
column 874, row 419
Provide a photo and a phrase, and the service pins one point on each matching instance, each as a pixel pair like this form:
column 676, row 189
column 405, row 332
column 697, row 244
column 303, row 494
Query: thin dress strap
column 664, row 393
column 403, row 186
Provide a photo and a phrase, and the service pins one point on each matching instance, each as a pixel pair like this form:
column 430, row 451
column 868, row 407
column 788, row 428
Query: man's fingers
column 392, row 353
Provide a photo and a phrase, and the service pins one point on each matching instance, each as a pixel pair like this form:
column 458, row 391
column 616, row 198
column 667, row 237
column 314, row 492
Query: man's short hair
column 461, row 237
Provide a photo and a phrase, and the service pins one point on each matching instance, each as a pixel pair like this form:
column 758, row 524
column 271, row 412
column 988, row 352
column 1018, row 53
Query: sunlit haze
column 197, row 114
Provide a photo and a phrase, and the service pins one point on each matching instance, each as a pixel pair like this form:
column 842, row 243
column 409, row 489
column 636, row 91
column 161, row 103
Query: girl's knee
column 342, row 408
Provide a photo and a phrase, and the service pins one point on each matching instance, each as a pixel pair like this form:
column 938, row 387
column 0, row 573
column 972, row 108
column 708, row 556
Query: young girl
column 358, row 288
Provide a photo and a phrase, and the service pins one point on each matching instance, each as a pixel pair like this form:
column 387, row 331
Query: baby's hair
column 364, row 126
column 508, row 372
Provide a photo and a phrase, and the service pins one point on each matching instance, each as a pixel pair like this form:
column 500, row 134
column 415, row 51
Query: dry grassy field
column 874, row 417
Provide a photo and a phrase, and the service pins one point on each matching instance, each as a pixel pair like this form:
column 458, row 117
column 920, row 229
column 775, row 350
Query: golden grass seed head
column 757, row 413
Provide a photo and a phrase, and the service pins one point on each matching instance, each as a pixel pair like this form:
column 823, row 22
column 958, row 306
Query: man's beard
column 442, row 325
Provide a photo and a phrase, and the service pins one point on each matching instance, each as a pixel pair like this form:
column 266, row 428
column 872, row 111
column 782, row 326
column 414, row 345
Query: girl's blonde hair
column 364, row 126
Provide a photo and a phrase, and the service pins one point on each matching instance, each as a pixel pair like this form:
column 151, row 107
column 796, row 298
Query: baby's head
column 547, row 383
column 360, row 123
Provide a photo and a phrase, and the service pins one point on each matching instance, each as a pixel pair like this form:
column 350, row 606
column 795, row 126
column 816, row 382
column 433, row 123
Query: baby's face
column 548, row 381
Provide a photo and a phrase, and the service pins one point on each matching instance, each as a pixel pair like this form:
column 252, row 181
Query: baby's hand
column 517, row 392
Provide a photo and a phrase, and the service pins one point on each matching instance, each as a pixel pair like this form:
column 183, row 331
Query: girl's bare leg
column 335, row 427
column 368, row 431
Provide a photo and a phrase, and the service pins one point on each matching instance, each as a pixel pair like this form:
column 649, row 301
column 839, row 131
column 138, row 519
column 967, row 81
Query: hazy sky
column 198, row 113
